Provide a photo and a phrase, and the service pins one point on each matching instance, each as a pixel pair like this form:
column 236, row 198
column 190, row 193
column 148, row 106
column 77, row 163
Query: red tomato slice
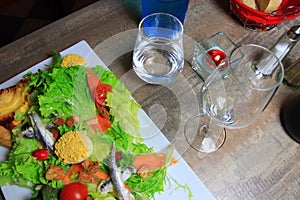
column 102, row 124
column 98, row 89
column 101, row 93
column 74, row 191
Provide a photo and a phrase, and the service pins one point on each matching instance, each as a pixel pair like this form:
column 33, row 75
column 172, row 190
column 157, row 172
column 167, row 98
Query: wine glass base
column 204, row 135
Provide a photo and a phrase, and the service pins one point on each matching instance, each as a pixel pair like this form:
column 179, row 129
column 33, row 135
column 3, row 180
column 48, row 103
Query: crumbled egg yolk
column 72, row 60
column 71, row 148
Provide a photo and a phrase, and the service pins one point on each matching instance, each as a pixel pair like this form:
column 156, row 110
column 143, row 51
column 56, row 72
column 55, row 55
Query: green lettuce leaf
column 21, row 168
column 67, row 94
column 122, row 107
column 125, row 110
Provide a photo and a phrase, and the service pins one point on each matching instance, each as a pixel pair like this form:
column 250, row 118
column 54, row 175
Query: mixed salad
column 80, row 139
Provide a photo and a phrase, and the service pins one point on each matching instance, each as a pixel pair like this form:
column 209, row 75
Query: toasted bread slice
column 268, row 6
column 250, row 3
column 11, row 99
column 5, row 137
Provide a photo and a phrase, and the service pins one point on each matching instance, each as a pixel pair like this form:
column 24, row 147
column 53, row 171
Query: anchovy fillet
column 106, row 185
column 29, row 133
column 43, row 134
column 123, row 193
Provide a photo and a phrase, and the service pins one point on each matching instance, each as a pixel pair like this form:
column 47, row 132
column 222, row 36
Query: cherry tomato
column 40, row 154
column 100, row 94
column 74, row 191
column 217, row 56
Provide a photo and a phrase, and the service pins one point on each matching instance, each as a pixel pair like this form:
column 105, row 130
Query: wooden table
column 257, row 162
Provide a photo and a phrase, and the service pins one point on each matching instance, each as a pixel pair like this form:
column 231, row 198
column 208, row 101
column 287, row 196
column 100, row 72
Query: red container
column 258, row 20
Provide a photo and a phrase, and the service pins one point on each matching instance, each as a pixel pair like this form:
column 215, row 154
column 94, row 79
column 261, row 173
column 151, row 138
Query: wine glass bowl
column 235, row 95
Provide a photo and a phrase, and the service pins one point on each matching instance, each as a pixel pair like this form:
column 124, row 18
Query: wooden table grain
column 257, row 162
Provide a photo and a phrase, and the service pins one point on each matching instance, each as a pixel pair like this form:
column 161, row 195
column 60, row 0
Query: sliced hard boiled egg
column 73, row 147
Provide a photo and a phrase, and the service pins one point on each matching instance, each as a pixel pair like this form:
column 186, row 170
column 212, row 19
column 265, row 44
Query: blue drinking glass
column 177, row 8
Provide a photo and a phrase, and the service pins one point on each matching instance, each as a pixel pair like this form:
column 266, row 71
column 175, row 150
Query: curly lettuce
column 21, row 167
column 64, row 92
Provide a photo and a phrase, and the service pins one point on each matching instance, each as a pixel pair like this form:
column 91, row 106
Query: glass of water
column 158, row 56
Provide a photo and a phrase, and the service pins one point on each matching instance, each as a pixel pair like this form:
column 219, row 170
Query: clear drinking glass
column 234, row 96
column 158, row 56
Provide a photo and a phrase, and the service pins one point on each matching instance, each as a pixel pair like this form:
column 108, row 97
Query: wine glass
column 234, row 96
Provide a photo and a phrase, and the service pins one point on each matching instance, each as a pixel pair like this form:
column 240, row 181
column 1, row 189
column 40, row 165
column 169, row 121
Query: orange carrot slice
column 101, row 175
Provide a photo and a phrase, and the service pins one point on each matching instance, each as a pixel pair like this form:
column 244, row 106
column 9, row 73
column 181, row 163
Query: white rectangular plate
column 180, row 172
